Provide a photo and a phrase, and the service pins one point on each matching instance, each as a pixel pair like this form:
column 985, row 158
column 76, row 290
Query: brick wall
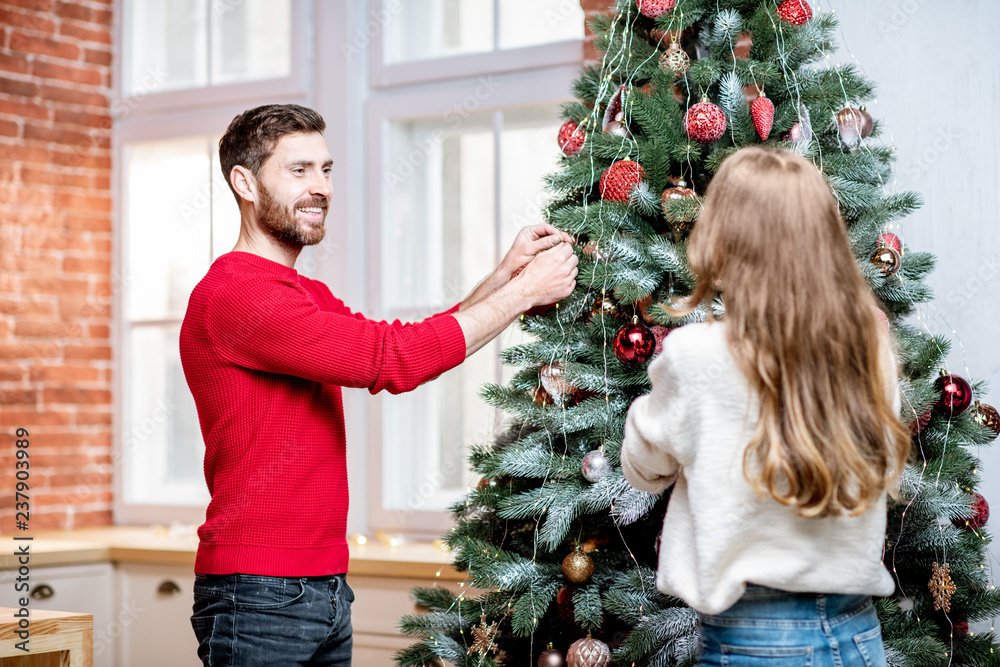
column 55, row 258
column 591, row 7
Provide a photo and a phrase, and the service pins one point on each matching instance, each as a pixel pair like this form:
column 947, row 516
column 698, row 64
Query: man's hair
column 251, row 137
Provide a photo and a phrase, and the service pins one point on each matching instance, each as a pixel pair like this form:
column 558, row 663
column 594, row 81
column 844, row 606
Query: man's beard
column 281, row 222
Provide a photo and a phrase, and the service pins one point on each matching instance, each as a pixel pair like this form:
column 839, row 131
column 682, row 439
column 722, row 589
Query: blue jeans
column 246, row 620
column 779, row 629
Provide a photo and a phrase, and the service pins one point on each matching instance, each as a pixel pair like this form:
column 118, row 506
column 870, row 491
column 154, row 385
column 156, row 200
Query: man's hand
column 529, row 242
column 549, row 277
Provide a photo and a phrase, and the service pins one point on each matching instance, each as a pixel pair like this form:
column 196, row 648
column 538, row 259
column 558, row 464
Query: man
column 265, row 352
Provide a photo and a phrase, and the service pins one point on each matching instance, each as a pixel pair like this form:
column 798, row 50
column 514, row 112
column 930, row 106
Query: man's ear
column 244, row 183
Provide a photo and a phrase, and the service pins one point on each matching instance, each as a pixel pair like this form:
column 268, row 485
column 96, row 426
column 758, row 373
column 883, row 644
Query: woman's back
column 719, row 533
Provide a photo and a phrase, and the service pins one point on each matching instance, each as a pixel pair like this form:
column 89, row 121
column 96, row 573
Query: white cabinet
column 160, row 635
column 379, row 604
column 81, row 588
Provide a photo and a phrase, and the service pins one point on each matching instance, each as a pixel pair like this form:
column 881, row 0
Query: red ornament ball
column 980, row 514
column 705, row 122
column 921, row 422
column 954, row 394
column 796, row 12
column 618, row 180
column 634, row 344
column 762, row 113
column 654, row 8
column 960, row 629
column 890, row 240
column 987, row 415
column 571, row 138
column 660, row 333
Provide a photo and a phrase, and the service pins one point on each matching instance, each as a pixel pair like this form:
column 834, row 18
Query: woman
column 778, row 427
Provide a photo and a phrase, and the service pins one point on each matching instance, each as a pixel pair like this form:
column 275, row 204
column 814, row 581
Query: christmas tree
column 560, row 550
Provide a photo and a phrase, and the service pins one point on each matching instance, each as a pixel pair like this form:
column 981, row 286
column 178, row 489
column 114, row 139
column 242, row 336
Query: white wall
column 937, row 71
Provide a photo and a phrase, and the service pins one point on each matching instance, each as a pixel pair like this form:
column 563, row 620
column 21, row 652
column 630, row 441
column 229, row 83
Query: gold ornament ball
column 588, row 653
column 578, row 567
column 887, row 259
column 675, row 60
column 987, row 415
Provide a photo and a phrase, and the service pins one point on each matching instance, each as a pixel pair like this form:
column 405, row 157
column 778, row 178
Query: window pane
column 168, row 225
column 251, row 40
column 421, row 29
column 161, row 442
column 531, row 22
column 437, row 231
column 167, row 45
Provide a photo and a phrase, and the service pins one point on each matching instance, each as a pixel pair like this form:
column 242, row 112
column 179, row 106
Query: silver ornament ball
column 595, row 466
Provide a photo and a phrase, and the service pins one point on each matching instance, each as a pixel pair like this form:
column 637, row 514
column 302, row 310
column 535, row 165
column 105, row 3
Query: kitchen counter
column 173, row 546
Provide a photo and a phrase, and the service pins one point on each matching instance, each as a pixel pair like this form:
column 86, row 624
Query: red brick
column 88, row 418
column 9, row 128
column 10, row 373
column 31, row 418
column 20, row 152
column 82, row 307
column 73, row 395
column 18, row 397
column 81, row 265
column 34, row 5
column 88, row 352
column 56, row 135
column 70, row 29
column 86, row 76
column 98, row 331
column 46, row 46
column 103, row 17
column 14, row 307
column 24, row 109
column 74, row 96
column 81, row 156
column 32, row 176
column 97, row 57
column 72, row 440
column 101, row 121
column 64, row 374
column 29, row 21
column 13, row 62
column 40, row 520
column 54, row 286
column 80, row 221
column 35, row 329
column 73, row 10
column 80, row 479
column 29, row 351
column 18, row 87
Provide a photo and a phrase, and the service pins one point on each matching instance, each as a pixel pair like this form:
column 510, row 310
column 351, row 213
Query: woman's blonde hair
column 802, row 325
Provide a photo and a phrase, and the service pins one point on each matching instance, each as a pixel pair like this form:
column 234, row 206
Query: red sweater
column 265, row 352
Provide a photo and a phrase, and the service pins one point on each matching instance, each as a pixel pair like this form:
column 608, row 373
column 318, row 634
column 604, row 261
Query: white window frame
column 433, row 89
column 177, row 114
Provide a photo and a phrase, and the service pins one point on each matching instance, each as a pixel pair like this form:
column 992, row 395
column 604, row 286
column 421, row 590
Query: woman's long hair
column 802, row 325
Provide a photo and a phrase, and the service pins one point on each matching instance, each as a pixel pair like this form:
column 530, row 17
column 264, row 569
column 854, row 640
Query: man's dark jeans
column 244, row 620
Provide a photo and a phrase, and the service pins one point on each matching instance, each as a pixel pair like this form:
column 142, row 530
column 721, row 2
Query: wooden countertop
column 163, row 546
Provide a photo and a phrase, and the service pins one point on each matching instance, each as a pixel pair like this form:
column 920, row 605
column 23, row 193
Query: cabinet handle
column 168, row 588
column 41, row 592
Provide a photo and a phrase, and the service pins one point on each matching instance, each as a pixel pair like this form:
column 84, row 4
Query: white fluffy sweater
column 718, row 535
